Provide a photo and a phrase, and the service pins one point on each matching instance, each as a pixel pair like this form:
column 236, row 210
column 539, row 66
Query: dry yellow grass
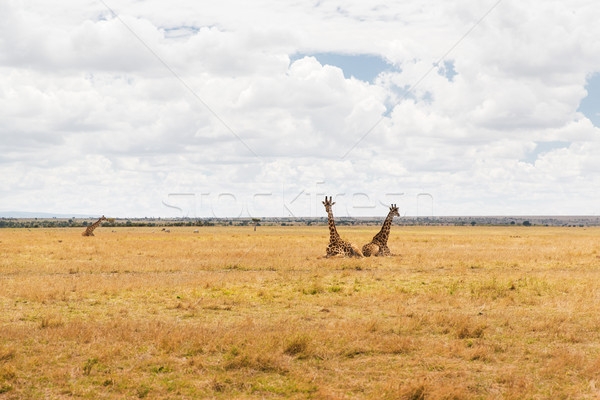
column 460, row 313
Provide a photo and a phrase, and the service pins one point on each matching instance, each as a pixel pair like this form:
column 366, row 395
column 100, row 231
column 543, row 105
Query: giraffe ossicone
column 378, row 245
column 337, row 246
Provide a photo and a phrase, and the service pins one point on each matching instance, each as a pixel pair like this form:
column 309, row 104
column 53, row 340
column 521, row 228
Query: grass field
column 458, row 313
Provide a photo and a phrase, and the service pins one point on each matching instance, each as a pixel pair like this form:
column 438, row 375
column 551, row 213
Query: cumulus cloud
column 212, row 112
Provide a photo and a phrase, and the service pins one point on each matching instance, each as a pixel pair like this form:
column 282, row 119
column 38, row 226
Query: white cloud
column 93, row 122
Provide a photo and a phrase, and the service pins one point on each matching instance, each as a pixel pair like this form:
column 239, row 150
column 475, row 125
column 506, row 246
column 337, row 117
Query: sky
column 255, row 109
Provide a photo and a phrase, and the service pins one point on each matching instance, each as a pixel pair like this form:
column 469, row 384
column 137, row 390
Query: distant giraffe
column 378, row 246
column 338, row 246
column 89, row 231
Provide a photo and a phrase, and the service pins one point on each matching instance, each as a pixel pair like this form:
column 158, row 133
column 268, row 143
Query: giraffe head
column 394, row 210
column 328, row 203
column 103, row 218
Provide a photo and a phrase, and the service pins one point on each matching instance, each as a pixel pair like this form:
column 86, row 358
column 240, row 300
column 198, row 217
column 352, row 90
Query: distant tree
column 526, row 223
column 473, row 223
column 255, row 222
column 512, row 222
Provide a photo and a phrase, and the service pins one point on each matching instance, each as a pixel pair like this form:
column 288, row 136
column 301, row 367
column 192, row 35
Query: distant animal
column 196, row 231
column 168, row 230
column 337, row 246
column 89, row 231
column 378, row 245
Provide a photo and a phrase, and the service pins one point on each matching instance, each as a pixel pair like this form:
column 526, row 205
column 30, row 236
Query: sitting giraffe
column 378, row 246
column 89, row 231
column 337, row 246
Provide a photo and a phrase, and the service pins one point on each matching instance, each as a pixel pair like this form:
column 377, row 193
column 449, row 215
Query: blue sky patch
column 180, row 31
column 365, row 67
column 402, row 93
column 545, row 147
column 447, row 70
column 590, row 105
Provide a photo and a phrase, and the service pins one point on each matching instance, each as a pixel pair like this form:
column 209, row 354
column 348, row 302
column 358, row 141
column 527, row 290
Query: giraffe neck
column 333, row 235
column 94, row 225
column 384, row 233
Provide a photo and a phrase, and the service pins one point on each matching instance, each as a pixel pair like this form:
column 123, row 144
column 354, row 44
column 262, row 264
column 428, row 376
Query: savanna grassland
column 458, row 313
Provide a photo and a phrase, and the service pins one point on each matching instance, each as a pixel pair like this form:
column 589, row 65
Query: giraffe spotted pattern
column 378, row 246
column 89, row 231
column 338, row 246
